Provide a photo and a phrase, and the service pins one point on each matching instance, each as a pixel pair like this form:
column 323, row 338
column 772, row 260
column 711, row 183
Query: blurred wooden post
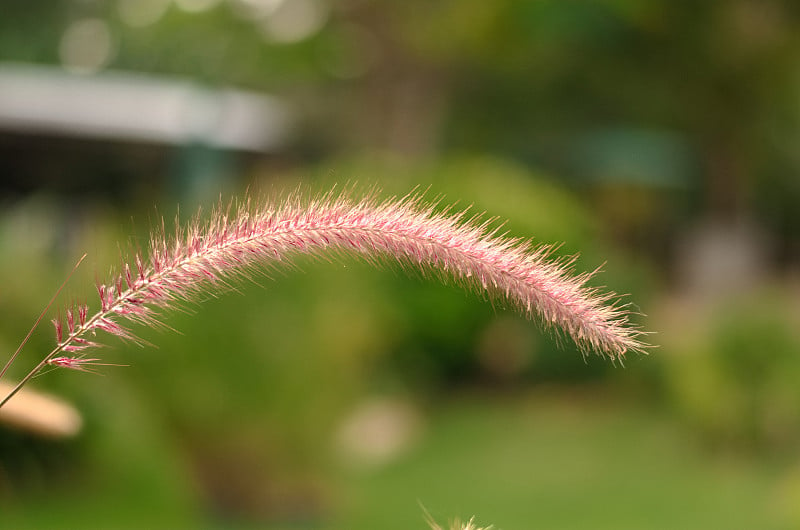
column 40, row 414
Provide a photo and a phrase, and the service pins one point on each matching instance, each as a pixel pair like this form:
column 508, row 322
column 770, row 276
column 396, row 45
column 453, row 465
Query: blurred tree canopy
column 711, row 88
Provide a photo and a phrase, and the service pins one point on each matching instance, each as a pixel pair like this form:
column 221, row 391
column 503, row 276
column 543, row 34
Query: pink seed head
column 205, row 256
column 73, row 363
column 59, row 329
column 79, row 364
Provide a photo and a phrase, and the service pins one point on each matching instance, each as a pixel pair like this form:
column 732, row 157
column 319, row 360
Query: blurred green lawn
column 554, row 461
column 541, row 460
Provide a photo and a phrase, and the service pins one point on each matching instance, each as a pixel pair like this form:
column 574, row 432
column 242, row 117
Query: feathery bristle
column 230, row 246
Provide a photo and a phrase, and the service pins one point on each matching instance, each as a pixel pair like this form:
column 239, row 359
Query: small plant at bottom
column 458, row 525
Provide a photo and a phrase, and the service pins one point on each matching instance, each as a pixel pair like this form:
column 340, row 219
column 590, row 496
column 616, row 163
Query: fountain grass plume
column 239, row 240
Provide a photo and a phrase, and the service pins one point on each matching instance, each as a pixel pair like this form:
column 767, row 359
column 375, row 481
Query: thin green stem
column 31, row 374
column 38, row 321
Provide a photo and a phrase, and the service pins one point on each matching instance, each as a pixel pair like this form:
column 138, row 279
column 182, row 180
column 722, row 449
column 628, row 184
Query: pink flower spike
column 78, row 344
column 140, row 267
column 59, row 329
column 236, row 242
column 72, row 348
column 77, row 363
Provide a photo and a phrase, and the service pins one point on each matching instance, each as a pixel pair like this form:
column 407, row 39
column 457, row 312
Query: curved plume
column 406, row 231
column 238, row 239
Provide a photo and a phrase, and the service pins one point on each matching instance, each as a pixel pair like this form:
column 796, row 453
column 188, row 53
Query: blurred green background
column 659, row 138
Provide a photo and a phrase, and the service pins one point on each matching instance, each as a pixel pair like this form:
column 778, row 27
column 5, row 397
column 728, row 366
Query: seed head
column 240, row 240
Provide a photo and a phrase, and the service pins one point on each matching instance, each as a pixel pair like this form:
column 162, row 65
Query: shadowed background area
column 657, row 139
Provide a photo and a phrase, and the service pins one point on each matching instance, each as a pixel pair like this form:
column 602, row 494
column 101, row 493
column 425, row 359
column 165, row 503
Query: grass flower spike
column 77, row 363
column 238, row 240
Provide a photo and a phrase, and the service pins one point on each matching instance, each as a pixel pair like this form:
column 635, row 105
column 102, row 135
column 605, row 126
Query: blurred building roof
column 138, row 107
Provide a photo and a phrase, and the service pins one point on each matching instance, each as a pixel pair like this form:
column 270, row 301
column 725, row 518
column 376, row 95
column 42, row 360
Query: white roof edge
column 138, row 107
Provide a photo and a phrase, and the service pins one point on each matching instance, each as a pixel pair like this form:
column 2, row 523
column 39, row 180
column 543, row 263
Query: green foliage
column 734, row 376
